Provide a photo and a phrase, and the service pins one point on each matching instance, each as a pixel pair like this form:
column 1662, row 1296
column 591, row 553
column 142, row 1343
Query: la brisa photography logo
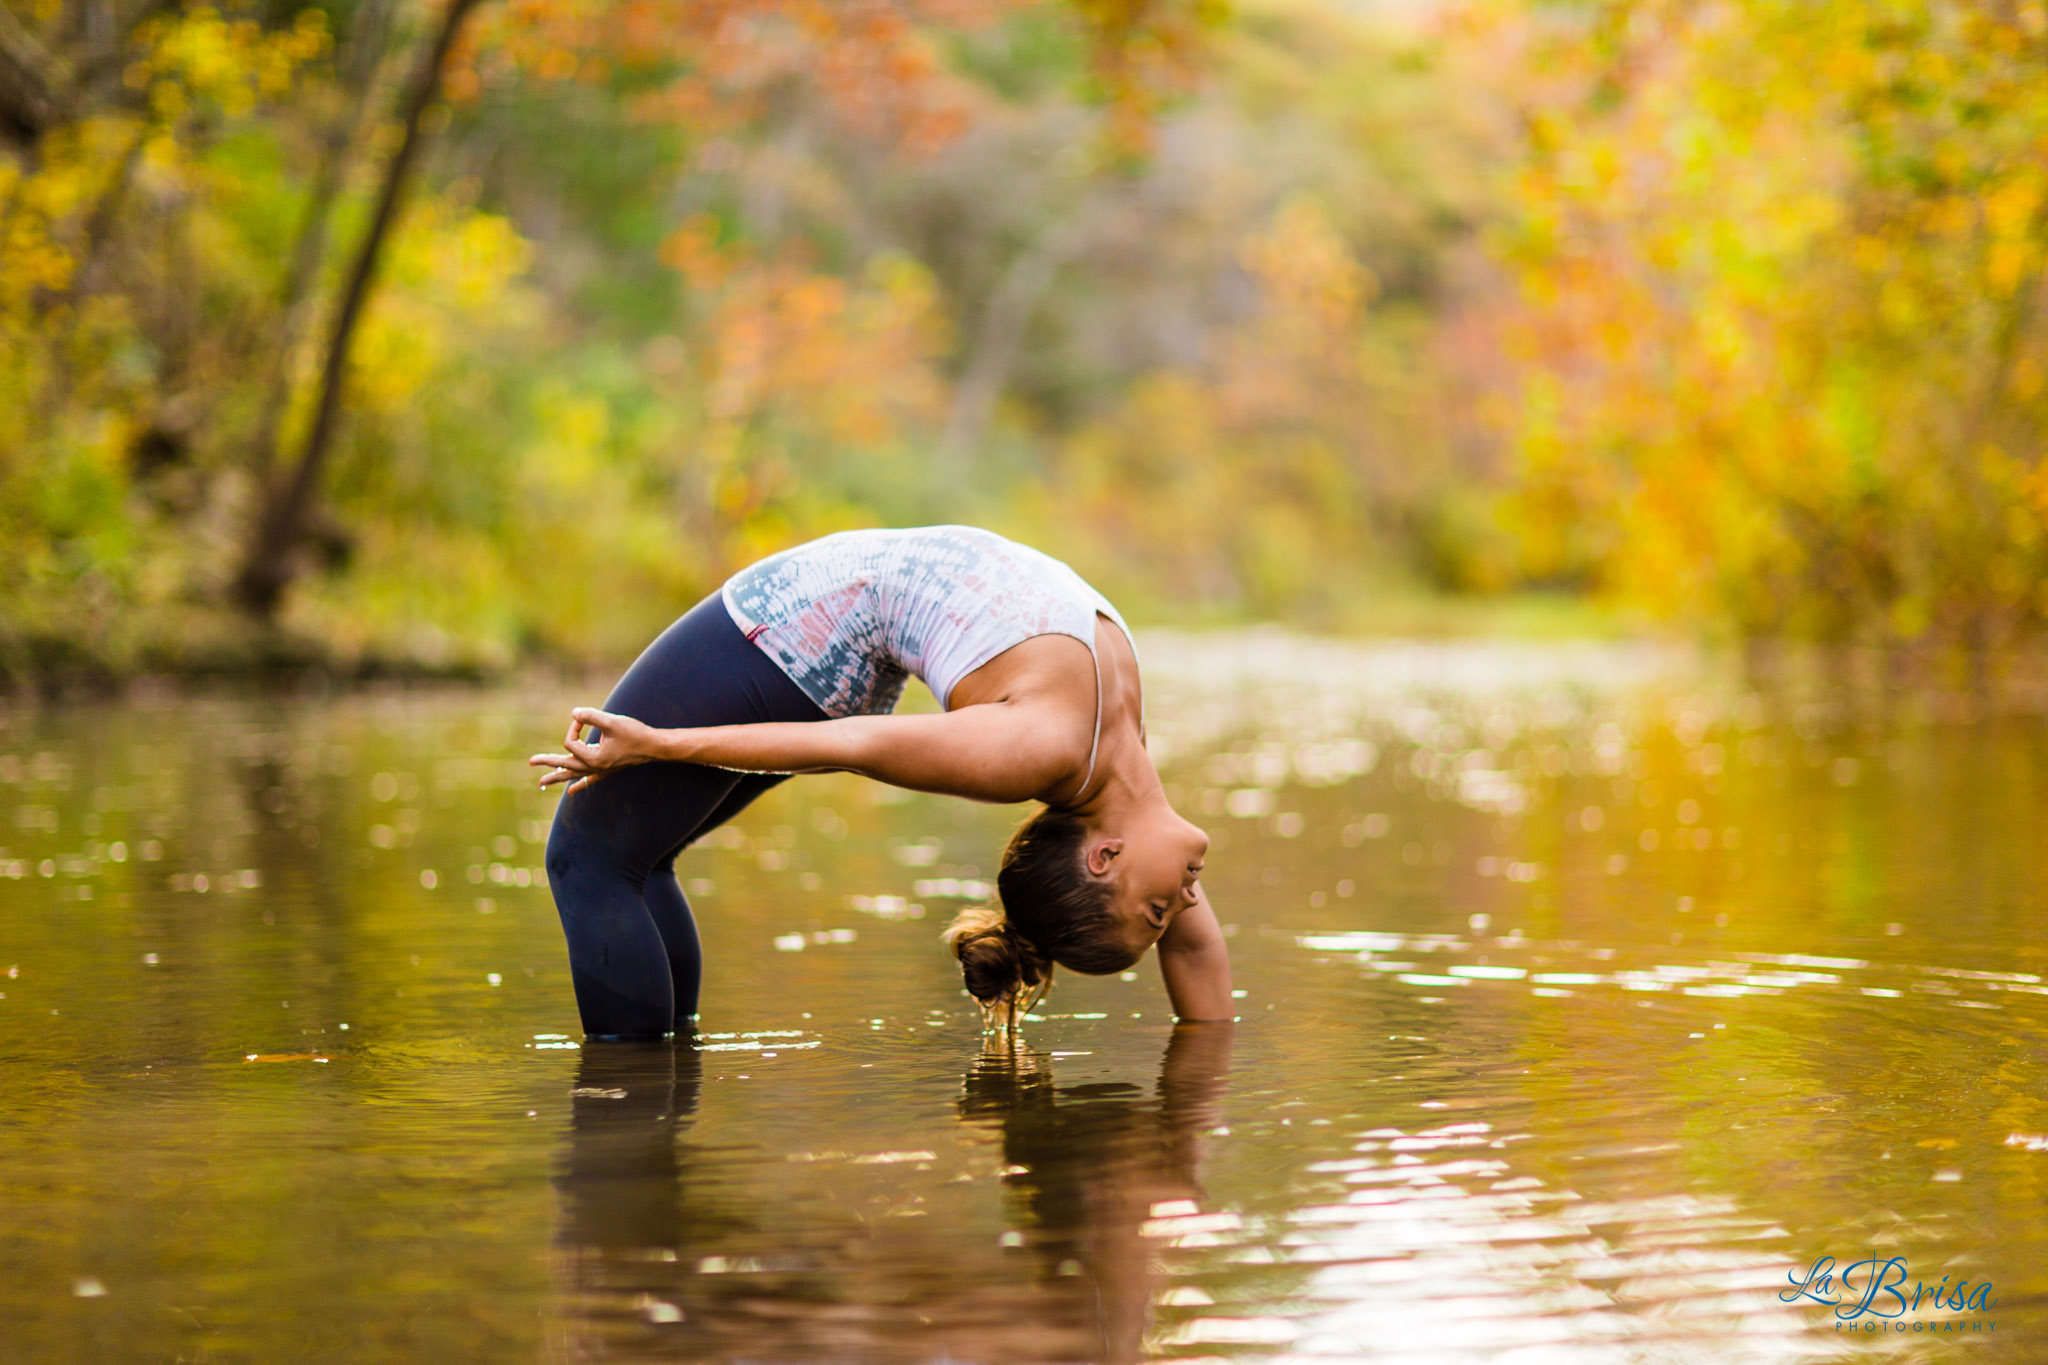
column 1878, row 1294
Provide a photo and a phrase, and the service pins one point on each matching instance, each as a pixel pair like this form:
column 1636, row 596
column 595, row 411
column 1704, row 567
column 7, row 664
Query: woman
column 793, row 667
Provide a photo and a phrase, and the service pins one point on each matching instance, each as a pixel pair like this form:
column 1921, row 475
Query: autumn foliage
column 313, row 347
column 1780, row 345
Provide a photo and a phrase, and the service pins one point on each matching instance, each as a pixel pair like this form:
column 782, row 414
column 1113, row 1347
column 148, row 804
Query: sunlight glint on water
column 1586, row 997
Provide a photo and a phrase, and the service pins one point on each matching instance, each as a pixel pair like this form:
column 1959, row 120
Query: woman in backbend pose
column 794, row 667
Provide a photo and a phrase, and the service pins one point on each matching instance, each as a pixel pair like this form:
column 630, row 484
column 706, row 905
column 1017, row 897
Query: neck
column 1125, row 779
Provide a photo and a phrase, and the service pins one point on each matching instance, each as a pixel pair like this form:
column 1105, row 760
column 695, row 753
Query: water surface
column 1586, row 999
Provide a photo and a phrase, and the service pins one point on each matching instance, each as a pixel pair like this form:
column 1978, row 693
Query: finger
column 577, row 778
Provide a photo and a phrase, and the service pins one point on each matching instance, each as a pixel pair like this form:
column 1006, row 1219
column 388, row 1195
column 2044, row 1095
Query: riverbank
column 1510, row 642
column 211, row 647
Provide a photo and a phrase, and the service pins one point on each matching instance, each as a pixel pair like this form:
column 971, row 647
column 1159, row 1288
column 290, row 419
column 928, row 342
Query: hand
column 621, row 742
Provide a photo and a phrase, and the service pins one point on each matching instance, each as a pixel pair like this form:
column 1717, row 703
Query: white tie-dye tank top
column 850, row 616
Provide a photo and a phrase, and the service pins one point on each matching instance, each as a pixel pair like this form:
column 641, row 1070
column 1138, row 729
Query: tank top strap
column 1094, row 740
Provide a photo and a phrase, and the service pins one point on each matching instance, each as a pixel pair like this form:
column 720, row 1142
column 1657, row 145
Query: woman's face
column 1152, row 863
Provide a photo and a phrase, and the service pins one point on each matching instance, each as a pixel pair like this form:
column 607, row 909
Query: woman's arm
column 1195, row 963
column 995, row 751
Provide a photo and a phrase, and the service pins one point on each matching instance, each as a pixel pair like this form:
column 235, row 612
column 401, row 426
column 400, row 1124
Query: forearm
column 768, row 747
column 1198, row 982
column 992, row 752
column 986, row 753
column 1195, row 964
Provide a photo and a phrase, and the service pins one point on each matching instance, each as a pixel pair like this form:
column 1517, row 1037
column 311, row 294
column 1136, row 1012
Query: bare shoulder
column 1123, row 688
column 1042, row 673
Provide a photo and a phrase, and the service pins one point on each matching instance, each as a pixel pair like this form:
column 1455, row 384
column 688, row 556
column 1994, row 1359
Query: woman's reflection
column 621, row 1234
column 642, row 1210
column 1091, row 1161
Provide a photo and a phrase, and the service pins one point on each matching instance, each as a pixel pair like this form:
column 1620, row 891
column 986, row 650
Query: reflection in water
column 622, row 1228
column 1092, row 1162
column 653, row 1250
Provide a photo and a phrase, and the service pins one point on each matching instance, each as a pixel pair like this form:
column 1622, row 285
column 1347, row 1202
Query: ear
column 1101, row 854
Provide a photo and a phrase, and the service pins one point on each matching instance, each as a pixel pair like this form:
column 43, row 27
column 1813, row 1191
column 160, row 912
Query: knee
column 585, row 853
column 567, row 849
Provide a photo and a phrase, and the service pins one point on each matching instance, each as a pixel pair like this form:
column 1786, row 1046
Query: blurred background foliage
column 1779, row 350
column 396, row 335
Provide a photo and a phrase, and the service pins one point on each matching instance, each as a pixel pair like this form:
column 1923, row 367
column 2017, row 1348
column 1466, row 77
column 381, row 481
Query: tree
column 713, row 65
column 281, row 522
column 1783, row 353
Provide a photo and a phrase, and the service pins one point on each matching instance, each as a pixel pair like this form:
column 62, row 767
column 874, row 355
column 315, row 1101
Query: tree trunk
column 281, row 523
column 295, row 298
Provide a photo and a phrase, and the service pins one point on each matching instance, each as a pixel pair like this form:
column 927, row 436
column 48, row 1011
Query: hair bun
column 996, row 963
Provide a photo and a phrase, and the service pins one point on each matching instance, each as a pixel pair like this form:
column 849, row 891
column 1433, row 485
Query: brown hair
column 1052, row 911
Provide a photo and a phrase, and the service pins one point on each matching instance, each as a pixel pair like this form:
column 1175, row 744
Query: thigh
column 636, row 818
column 700, row 671
column 703, row 670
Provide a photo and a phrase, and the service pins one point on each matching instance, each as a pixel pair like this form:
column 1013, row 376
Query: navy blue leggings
column 633, row 951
